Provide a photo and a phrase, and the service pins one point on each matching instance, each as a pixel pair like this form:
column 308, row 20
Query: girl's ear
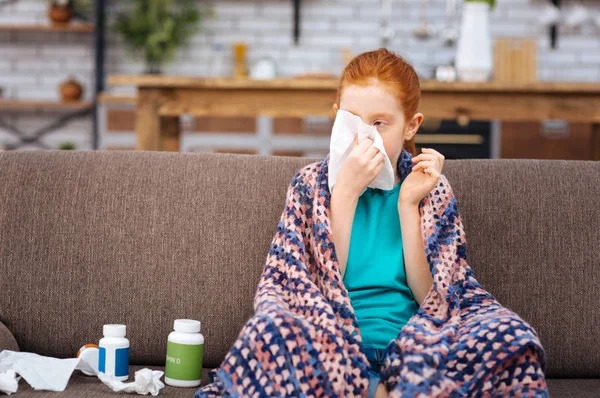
column 413, row 126
column 335, row 109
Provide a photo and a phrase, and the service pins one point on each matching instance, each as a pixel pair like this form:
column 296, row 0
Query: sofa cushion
column 532, row 241
column 140, row 238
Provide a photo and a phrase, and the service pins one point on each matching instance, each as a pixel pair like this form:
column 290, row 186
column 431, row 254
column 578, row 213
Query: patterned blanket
column 304, row 340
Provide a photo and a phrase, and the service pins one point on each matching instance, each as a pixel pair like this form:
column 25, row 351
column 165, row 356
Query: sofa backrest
column 143, row 238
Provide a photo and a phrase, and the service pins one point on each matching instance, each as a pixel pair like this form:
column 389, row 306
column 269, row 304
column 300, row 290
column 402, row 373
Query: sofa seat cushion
column 85, row 386
column 81, row 385
column 574, row 388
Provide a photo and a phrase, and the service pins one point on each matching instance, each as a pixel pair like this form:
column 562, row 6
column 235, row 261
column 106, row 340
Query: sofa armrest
column 7, row 340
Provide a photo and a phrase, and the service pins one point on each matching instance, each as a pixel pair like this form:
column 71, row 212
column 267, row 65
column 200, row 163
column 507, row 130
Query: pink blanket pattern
column 304, row 340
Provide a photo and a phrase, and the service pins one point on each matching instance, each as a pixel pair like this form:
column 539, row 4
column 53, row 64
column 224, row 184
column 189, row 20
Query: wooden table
column 162, row 99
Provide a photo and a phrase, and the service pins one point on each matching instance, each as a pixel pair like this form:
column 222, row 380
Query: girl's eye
column 378, row 122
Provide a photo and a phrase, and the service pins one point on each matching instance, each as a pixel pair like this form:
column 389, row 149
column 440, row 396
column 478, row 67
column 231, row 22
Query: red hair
column 397, row 75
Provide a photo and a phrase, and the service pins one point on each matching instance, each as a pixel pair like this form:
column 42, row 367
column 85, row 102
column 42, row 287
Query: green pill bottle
column 185, row 350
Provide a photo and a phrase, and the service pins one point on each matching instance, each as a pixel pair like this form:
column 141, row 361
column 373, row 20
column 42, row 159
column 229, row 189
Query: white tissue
column 42, row 373
column 345, row 126
column 53, row 374
column 9, row 382
column 147, row 381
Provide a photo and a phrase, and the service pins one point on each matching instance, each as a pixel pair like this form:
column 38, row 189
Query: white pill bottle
column 185, row 351
column 113, row 353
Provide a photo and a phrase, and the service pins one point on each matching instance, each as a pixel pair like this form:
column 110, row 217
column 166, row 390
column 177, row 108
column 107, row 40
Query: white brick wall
column 33, row 64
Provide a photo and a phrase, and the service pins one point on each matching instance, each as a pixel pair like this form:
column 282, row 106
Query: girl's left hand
column 423, row 177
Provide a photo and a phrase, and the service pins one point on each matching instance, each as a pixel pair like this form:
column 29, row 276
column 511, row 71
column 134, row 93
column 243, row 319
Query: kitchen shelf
column 43, row 105
column 67, row 111
column 71, row 27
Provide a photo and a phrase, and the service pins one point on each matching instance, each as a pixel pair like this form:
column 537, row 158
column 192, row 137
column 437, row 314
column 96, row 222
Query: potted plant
column 62, row 11
column 474, row 50
column 154, row 29
column 71, row 90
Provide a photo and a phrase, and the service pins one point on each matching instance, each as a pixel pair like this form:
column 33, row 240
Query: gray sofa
column 143, row 238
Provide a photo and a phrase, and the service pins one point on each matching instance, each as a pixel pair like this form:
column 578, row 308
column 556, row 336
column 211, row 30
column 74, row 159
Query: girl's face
column 377, row 107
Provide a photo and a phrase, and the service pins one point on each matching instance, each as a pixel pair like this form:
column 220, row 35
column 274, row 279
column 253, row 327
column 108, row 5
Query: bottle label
column 102, row 360
column 120, row 359
column 122, row 362
column 184, row 361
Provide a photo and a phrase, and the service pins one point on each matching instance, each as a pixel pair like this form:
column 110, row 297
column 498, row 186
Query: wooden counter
column 162, row 99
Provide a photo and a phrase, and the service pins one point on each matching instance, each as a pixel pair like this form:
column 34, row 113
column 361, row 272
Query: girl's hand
column 361, row 167
column 423, row 177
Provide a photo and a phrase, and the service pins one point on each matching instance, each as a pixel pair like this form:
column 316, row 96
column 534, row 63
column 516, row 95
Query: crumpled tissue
column 9, row 382
column 345, row 127
column 147, row 381
column 53, row 374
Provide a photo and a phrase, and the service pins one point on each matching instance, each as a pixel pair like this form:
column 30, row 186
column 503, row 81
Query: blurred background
column 72, row 73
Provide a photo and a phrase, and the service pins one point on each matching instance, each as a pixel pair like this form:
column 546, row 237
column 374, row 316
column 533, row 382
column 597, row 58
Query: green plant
column 492, row 3
column 154, row 29
column 66, row 145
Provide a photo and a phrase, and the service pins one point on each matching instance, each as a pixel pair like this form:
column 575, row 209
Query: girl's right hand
column 361, row 167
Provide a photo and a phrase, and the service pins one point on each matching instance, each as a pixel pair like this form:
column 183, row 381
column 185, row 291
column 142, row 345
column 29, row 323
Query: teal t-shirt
column 375, row 276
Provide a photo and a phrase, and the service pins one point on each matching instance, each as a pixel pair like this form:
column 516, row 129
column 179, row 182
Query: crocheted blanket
column 304, row 340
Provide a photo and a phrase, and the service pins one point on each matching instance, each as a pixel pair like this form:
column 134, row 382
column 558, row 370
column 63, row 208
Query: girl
column 303, row 339
column 377, row 235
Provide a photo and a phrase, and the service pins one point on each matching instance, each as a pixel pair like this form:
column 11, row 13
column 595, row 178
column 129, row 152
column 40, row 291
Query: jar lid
column 114, row 330
column 186, row 325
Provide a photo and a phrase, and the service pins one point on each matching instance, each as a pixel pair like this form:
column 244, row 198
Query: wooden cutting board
column 515, row 59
